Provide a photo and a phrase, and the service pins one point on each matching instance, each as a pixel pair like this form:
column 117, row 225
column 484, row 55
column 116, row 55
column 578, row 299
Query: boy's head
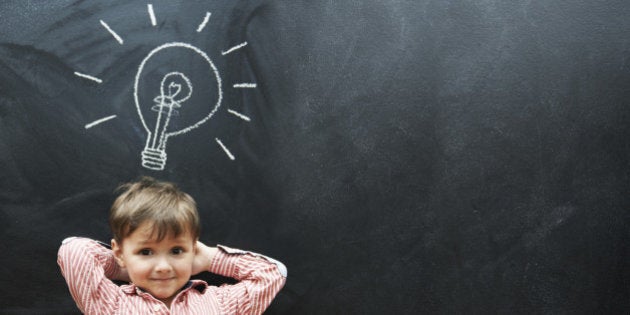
column 155, row 227
column 168, row 210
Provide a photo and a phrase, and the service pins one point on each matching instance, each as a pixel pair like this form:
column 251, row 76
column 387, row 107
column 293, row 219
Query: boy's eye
column 145, row 252
column 177, row 250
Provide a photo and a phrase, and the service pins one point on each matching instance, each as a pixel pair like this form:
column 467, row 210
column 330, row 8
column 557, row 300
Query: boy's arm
column 87, row 267
column 260, row 278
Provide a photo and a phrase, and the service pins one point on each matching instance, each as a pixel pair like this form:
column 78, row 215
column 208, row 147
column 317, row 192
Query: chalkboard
column 400, row 157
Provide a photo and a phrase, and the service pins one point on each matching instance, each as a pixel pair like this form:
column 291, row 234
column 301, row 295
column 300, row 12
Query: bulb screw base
column 153, row 159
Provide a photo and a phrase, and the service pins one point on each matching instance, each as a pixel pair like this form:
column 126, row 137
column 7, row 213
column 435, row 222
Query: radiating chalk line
column 205, row 21
column 229, row 154
column 239, row 115
column 120, row 40
column 239, row 46
column 151, row 14
column 89, row 77
column 100, row 121
column 245, row 85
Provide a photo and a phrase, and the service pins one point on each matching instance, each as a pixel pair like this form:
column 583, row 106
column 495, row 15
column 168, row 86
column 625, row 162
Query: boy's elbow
column 63, row 247
column 282, row 269
column 71, row 247
column 64, row 250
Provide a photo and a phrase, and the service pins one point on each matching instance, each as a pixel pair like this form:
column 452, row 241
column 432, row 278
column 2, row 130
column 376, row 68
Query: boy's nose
column 162, row 265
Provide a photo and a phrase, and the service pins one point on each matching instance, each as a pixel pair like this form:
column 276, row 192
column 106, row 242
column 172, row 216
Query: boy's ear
column 117, row 250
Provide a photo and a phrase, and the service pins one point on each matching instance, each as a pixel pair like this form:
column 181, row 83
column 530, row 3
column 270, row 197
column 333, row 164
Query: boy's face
column 160, row 268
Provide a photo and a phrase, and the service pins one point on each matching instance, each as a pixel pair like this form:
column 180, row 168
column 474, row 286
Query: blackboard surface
column 400, row 157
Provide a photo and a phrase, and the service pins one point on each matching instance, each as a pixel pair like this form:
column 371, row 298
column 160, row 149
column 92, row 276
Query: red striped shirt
column 87, row 266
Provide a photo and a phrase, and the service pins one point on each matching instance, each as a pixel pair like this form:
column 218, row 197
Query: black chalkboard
column 400, row 157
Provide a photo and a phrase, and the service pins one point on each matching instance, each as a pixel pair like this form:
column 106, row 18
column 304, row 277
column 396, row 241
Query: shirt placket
column 156, row 306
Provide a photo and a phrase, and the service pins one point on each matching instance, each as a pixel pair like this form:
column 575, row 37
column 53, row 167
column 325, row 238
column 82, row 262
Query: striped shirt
column 87, row 266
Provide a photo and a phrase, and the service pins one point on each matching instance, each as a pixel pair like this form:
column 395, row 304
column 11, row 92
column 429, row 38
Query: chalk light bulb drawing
column 175, row 89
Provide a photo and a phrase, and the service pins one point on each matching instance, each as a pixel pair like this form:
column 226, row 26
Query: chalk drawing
column 229, row 154
column 89, row 77
column 205, row 21
column 175, row 88
column 100, row 121
column 245, row 85
column 239, row 46
column 151, row 14
column 239, row 115
column 118, row 38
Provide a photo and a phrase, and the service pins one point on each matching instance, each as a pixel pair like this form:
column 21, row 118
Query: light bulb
column 175, row 89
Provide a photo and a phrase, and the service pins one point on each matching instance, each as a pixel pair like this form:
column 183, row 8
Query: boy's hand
column 203, row 258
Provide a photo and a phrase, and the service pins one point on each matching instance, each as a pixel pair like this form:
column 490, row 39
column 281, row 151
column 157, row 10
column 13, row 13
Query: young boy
column 156, row 248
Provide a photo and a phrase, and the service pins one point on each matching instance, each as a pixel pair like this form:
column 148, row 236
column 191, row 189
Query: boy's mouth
column 163, row 279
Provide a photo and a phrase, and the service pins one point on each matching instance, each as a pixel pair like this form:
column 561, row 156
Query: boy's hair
column 171, row 211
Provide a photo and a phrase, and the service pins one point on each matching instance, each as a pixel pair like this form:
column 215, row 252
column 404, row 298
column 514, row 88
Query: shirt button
column 156, row 308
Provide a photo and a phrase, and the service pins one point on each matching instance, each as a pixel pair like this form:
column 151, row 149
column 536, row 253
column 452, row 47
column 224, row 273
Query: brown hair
column 170, row 211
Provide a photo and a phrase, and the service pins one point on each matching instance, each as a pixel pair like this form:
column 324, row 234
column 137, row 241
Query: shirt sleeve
column 260, row 279
column 86, row 265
